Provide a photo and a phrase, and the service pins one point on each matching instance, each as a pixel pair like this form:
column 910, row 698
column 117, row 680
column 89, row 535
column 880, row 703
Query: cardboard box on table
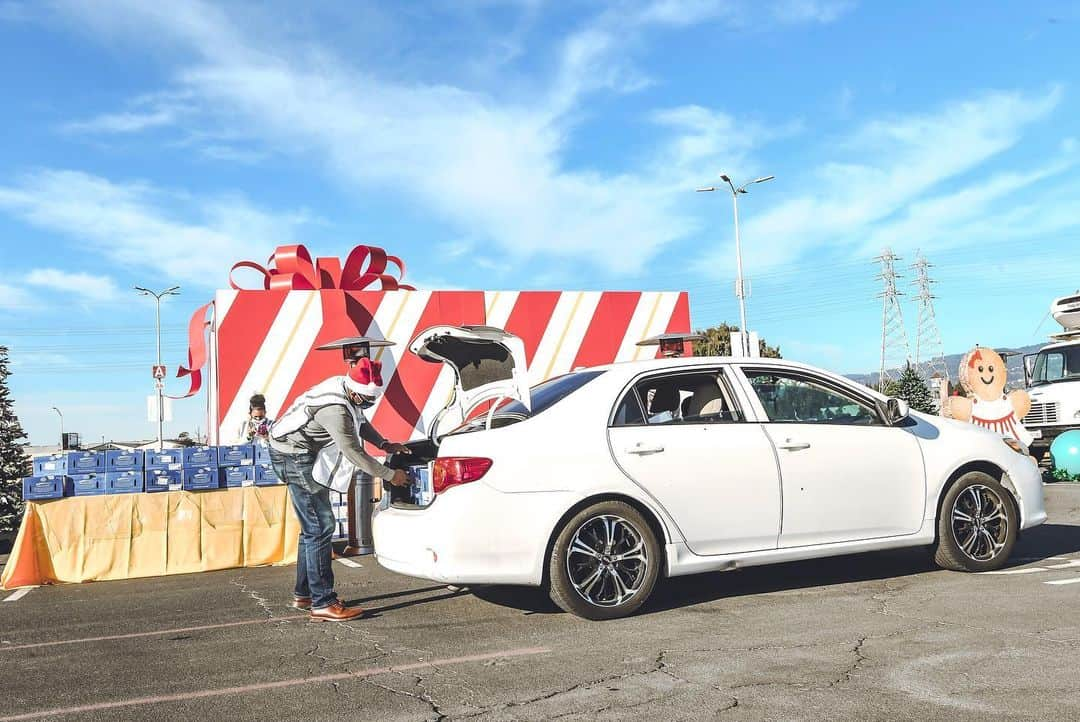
column 264, row 341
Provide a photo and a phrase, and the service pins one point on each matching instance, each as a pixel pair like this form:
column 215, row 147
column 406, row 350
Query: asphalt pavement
column 871, row 636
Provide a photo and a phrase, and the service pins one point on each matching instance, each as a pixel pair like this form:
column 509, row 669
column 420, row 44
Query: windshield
column 1056, row 364
column 543, row 396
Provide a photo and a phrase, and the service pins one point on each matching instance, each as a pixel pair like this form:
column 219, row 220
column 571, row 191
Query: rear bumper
column 470, row 534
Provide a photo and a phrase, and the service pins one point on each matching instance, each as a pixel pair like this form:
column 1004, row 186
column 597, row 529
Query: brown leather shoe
column 301, row 603
column 336, row 612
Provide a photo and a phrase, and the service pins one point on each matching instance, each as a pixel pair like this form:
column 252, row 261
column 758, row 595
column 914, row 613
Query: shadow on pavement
column 1042, row 542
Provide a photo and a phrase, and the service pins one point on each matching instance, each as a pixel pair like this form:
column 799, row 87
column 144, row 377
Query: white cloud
column 873, row 188
column 494, row 169
column 811, row 11
column 139, row 226
column 83, row 285
column 14, row 298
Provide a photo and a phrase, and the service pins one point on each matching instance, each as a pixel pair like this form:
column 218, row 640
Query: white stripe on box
column 223, row 301
column 280, row 356
column 563, row 355
column 499, row 306
column 396, row 320
column 635, row 330
column 554, row 335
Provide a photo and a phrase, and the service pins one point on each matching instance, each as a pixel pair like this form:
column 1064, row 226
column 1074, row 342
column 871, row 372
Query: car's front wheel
column 977, row 525
column 605, row 562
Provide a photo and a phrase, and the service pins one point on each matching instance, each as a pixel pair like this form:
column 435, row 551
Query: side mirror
column 1029, row 368
column 896, row 410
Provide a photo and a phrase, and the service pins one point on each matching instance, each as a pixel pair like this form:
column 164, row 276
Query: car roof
column 695, row 361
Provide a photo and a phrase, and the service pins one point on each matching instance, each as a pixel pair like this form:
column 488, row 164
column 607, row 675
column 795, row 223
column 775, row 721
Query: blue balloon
column 1065, row 451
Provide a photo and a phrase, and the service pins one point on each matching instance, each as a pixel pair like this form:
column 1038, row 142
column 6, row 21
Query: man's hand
column 399, row 478
column 392, row 448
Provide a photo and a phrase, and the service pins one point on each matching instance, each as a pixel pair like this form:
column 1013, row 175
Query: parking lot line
column 155, row 633
column 280, row 684
column 19, row 594
column 1058, row 582
column 1026, row 570
column 349, row 562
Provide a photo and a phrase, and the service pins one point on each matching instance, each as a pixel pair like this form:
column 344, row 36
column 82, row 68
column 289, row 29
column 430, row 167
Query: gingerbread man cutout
column 983, row 374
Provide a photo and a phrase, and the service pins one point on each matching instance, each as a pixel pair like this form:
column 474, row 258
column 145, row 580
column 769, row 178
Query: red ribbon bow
column 367, row 372
column 290, row 268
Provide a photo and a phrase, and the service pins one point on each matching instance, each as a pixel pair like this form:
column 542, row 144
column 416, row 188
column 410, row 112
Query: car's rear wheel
column 977, row 525
column 605, row 562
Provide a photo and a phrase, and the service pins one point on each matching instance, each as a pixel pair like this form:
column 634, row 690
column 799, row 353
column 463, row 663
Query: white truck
column 1053, row 378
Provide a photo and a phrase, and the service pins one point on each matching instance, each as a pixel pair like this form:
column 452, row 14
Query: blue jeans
column 311, row 500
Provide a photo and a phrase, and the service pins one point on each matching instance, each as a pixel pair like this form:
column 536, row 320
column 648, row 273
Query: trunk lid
column 488, row 366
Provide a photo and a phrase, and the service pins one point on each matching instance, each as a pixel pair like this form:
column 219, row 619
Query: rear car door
column 682, row 438
column 845, row 474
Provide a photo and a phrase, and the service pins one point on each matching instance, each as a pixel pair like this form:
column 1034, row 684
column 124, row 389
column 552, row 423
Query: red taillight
column 454, row 470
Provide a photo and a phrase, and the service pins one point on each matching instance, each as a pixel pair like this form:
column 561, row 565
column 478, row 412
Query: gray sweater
column 333, row 424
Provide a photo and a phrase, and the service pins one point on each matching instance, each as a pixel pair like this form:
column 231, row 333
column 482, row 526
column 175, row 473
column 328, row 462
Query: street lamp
column 61, row 427
column 158, row 382
column 739, row 291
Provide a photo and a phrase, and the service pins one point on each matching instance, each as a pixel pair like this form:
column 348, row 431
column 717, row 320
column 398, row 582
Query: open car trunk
column 488, row 366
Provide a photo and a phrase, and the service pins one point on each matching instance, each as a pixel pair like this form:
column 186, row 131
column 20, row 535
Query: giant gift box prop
column 264, row 340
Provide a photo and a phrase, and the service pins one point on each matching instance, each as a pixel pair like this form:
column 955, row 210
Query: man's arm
column 371, row 435
column 339, row 424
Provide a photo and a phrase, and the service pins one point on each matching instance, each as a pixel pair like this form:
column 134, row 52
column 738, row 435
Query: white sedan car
column 598, row 483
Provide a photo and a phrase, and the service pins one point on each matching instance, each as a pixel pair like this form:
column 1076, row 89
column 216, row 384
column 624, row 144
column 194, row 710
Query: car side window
column 796, row 399
column 681, row 398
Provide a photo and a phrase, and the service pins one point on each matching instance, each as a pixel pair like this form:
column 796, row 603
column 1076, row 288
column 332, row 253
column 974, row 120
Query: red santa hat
column 365, row 378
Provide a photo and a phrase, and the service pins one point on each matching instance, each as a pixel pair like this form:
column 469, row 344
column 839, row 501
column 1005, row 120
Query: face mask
column 363, row 402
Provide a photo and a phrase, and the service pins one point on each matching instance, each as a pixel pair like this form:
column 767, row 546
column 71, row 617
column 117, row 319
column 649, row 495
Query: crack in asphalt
column 262, row 601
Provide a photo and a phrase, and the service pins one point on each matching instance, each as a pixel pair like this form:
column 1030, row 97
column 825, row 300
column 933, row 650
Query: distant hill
column 952, row 362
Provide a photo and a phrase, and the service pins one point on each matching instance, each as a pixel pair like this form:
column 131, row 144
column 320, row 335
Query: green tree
column 911, row 388
column 13, row 462
column 717, row 342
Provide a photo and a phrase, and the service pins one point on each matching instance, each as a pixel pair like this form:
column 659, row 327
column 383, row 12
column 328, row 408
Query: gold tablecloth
column 123, row 536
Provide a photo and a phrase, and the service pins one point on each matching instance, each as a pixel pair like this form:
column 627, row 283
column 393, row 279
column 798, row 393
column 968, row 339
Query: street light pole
column 740, row 293
column 61, row 427
column 158, row 383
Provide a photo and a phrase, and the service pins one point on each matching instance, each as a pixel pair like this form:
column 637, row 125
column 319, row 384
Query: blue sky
column 528, row 144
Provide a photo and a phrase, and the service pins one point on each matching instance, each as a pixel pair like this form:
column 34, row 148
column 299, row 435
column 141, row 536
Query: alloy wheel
column 980, row 522
column 607, row 560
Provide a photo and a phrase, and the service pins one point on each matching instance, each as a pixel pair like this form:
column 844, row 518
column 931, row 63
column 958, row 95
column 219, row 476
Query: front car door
column 846, row 475
column 683, row 439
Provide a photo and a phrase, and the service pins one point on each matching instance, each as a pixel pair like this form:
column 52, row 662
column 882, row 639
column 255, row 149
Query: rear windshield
column 543, row 396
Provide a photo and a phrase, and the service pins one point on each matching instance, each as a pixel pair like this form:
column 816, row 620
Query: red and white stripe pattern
column 264, row 341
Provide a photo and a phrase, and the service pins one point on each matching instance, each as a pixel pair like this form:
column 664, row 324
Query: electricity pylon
column 895, row 351
column 928, row 343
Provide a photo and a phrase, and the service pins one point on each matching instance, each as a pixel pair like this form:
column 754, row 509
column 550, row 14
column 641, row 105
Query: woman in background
column 257, row 425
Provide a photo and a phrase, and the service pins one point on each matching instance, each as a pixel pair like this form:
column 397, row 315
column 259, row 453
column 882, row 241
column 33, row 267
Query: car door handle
column 643, row 449
column 790, row 445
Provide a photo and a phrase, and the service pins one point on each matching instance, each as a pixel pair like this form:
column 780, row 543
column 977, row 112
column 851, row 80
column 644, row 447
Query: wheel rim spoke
column 980, row 534
column 607, row 560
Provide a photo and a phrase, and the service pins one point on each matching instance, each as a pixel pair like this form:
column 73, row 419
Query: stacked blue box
column 199, row 456
column 236, row 455
column 35, row 488
column 163, row 480
column 166, row 460
column 262, row 454
column 232, row 476
column 92, row 484
column 119, row 460
column 53, row 465
column 265, row 476
column 200, row 478
column 123, row 482
column 85, row 462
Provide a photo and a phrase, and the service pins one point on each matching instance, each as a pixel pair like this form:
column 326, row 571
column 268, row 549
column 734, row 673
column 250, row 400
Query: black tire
column 986, row 541
column 612, row 559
